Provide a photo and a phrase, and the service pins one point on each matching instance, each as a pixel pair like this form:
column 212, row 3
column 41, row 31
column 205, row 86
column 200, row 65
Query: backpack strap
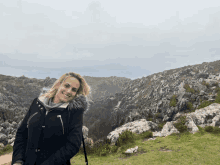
column 86, row 160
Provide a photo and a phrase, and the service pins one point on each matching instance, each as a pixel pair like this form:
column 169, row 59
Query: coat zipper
column 30, row 118
column 61, row 121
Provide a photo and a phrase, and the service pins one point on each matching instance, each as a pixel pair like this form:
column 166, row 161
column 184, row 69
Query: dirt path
column 6, row 159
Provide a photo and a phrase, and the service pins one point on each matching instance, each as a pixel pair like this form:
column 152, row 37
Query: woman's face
column 67, row 90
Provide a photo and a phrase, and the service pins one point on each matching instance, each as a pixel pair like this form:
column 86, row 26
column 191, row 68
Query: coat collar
column 80, row 102
column 42, row 98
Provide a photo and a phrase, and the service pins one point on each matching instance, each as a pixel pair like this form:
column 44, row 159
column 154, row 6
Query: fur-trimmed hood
column 80, row 102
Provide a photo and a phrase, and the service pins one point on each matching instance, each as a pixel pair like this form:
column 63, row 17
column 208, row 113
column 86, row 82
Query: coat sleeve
column 20, row 142
column 73, row 143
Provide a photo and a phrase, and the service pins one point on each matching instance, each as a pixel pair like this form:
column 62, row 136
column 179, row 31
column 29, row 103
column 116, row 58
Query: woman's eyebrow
column 69, row 85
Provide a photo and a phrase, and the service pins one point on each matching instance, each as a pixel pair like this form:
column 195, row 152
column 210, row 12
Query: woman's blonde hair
column 84, row 88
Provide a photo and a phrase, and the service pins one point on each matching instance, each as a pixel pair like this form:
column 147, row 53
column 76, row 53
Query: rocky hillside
column 160, row 96
column 157, row 98
column 115, row 101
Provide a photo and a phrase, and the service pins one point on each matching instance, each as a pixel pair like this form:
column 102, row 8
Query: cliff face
column 157, row 98
column 160, row 96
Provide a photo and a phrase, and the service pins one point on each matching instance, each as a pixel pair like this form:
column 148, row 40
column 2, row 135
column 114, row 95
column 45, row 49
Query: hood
column 80, row 102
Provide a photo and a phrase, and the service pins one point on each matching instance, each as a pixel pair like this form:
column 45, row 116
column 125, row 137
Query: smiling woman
column 51, row 131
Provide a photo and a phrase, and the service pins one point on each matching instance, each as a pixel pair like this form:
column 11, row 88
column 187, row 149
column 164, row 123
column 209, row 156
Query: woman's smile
column 65, row 95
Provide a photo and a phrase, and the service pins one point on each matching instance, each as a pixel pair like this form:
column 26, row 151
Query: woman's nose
column 69, row 91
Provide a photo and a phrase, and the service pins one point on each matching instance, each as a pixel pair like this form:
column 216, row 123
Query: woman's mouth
column 65, row 95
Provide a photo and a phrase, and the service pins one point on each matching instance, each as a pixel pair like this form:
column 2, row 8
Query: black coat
column 44, row 139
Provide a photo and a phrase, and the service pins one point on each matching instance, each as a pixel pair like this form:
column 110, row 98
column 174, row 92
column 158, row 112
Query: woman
column 45, row 137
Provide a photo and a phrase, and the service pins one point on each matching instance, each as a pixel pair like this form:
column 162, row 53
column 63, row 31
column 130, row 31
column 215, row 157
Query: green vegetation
column 190, row 107
column 173, row 101
column 7, row 149
column 161, row 125
column 186, row 148
column 188, row 89
column 180, row 126
column 150, row 119
column 157, row 114
column 206, row 84
column 204, row 103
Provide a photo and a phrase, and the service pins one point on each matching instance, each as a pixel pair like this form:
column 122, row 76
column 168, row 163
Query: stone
column 198, row 118
column 131, row 150
column 85, row 131
column 137, row 126
column 3, row 139
column 88, row 142
column 2, row 145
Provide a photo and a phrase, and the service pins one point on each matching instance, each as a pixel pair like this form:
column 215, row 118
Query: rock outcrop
column 208, row 116
column 159, row 97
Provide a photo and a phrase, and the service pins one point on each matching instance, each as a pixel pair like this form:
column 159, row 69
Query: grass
column 185, row 148
column 6, row 150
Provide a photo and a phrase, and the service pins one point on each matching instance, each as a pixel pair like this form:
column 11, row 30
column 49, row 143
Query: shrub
column 157, row 114
column 89, row 151
column 161, row 125
column 216, row 84
column 6, row 149
column 209, row 129
column 201, row 130
column 180, row 126
column 125, row 137
column 216, row 130
column 217, row 89
column 146, row 134
column 204, row 104
column 188, row 89
column 206, row 84
column 114, row 149
column 173, row 101
column 99, row 149
column 104, row 151
column 217, row 99
column 190, row 106
column 150, row 119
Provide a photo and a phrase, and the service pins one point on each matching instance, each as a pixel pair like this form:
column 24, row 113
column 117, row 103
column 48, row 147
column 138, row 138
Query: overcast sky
column 124, row 38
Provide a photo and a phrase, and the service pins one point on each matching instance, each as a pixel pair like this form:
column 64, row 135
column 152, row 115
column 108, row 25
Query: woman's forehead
column 72, row 81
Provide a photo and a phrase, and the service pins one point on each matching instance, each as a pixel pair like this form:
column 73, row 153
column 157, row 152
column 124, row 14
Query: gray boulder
column 208, row 116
